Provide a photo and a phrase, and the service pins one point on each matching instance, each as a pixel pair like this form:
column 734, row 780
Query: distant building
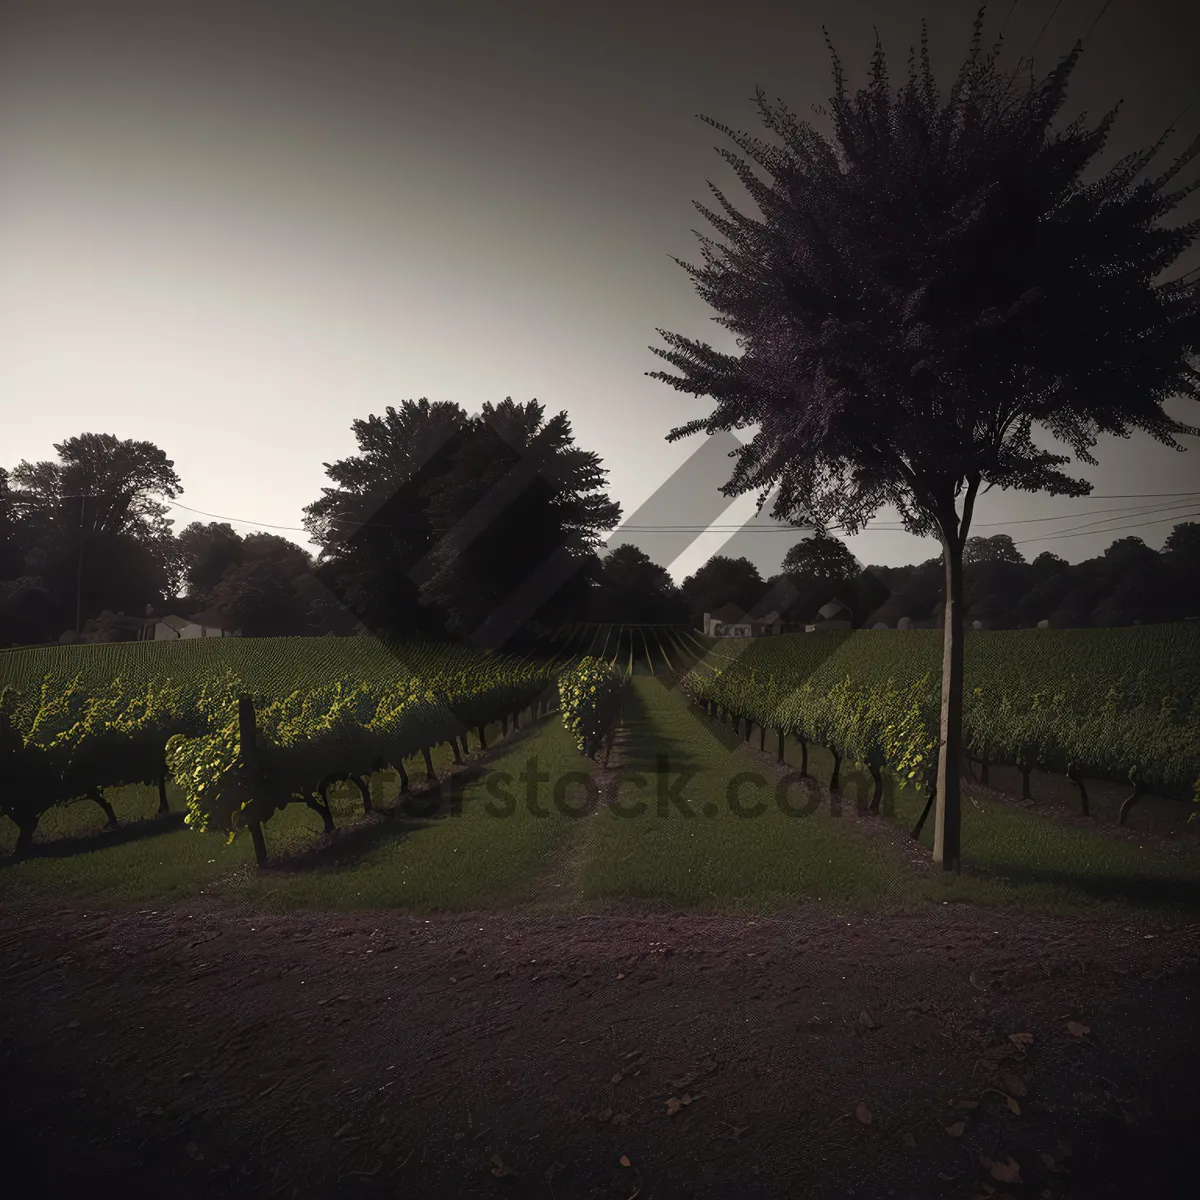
column 834, row 615
column 205, row 624
column 730, row 621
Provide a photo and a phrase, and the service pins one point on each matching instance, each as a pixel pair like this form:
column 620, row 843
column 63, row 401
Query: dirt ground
column 202, row 1053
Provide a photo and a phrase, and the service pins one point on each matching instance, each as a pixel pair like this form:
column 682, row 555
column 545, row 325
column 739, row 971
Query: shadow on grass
column 647, row 747
column 414, row 811
column 70, row 845
column 1133, row 890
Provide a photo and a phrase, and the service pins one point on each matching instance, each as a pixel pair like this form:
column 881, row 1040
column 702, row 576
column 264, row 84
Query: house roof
column 830, row 610
column 729, row 614
column 211, row 620
column 175, row 623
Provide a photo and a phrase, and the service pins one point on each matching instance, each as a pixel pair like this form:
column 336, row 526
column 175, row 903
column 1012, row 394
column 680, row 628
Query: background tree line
column 440, row 518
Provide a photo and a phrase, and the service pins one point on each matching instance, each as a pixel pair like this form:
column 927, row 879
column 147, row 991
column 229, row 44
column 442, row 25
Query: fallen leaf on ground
column 1021, row 1039
column 968, row 1104
column 1014, row 1107
column 616, row 1078
column 673, row 1106
column 1007, row 1171
column 1014, row 1085
column 863, row 1113
column 1076, row 1029
column 957, row 1129
column 499, row 1168
column 1049, row 1163
column 625, row 1160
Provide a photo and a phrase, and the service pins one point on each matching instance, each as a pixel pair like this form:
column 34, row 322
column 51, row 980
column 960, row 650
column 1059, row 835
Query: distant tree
column 373, row 525
column 292, row 560
column 823, row 556
column 1140, row 593
column 1046, row 564
column 1042, row 600
column 1183, row 542
column 259, row 597
column 720, row 581
column 921, row 292
column 29, row 615
column 12, row 533
column 516, row 520
column 99, row 537
column 997, row 548
column 1129, row 552
column 203, row 553
column 634, row 589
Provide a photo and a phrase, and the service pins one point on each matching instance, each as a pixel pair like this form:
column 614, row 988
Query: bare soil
column 198, row 1052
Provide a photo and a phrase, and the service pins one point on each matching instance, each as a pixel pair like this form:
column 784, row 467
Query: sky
column 231, row 229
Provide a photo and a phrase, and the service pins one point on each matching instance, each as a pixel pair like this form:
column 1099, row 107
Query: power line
column 1010, row 13
column 1050, row 18
column 1126, row 510
column 1085, row 531
column 1097, row 20
column 1184, row 500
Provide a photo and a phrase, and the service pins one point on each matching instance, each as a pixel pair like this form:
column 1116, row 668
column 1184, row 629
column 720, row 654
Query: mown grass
column 479, row 851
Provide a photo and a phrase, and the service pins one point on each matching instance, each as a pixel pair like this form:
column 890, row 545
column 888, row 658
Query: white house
column 205, row 624
column 834, row 615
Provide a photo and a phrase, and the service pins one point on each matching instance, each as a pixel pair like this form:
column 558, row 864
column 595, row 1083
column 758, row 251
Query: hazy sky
column 232, row 229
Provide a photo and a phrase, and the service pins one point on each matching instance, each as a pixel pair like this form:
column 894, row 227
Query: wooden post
column 248, row 737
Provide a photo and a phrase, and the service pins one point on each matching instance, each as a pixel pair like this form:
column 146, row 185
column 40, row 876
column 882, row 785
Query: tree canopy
column 923, row 289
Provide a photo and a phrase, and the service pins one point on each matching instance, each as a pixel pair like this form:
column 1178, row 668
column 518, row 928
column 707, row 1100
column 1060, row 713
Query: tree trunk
column 482, row 738
column 26, row 828
column 916, row 831
column 803, row 758
column 749, row 728
column 163, row 806
column 322, row 809
column 877, row 794
column 504, row 725
column 1025, row 769
column 97, row 794
column 1133, row 798
column 517, row 719
column 779, row 751
column 454, row 747
column 403, row 776
column 983, row 771
column 762, row 737
column 1077, row 779
column 834, row 782
column 248, row 742
column 947, row 829
column 428, row 764
column 260, row 843
column 365, row 790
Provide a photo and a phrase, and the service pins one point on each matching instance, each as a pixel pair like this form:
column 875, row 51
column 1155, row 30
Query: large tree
column 203, row 553
column 720, row 581
column 633, row 589
column 516, row 520
column 923, row 290
column 373, row 525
